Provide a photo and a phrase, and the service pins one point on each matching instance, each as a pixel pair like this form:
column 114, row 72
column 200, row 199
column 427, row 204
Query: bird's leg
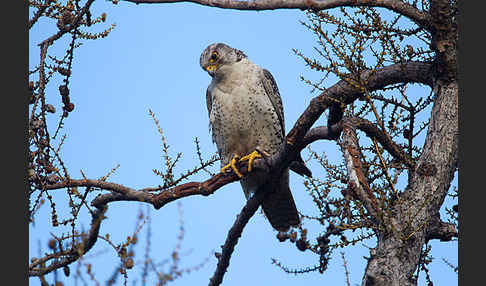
column 232, row 165
column 250, row 157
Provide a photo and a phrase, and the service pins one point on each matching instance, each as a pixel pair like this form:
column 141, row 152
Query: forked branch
column 61, row 259
column 233, row 235
column 357, row 184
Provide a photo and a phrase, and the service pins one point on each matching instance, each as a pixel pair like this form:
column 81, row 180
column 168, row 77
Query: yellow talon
column 232, row 165
column 250, row 157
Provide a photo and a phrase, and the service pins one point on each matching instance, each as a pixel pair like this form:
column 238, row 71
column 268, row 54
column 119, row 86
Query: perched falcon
column 246, row 115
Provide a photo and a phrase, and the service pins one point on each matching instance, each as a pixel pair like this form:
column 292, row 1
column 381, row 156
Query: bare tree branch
column 234, row 234
column 124, row 193
column 321, row 133
column 37, row 15
column 422, row 19
column 373, row 131
column 67, row 257
column 358, row 184
column 441, row 230
column 344, row 93
column 68, row 26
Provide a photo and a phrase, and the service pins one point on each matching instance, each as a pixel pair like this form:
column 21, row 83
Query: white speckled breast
column 242, row 116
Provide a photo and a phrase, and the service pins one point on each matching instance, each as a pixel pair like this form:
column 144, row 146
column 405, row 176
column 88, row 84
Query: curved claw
column 251, row 157
column 232, row 165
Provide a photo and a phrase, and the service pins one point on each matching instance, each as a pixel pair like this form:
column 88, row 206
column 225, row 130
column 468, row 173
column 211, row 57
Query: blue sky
column 151, row 61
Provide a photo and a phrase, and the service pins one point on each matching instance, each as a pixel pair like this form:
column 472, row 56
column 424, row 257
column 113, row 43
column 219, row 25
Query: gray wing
column 273, row 94
column 209, row 105
column 209, row 101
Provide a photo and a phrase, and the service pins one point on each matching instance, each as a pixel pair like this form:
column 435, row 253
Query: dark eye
column 214, row 57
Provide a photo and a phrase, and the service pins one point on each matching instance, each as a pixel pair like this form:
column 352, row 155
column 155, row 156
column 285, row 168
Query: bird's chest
column 241, row 112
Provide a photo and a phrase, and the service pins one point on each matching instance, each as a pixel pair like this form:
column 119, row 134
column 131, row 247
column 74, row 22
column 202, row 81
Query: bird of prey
column 247, row 121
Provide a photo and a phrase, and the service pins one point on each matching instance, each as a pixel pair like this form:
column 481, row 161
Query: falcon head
column 217, row 55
